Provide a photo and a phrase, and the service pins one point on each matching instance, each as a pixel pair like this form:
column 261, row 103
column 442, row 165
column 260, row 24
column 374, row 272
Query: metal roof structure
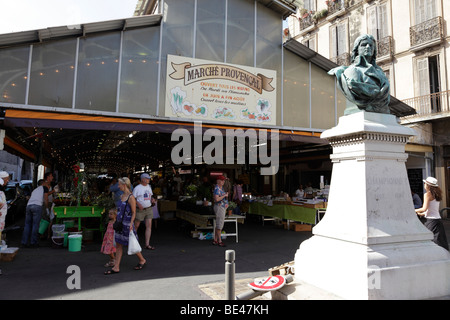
column 102, row 142
column 54, row 33
column 397, row 107
column 284, row 7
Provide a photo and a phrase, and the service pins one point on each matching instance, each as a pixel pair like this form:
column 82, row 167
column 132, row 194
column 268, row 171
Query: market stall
column 167, row 208
column 307, row 207
column 65, row 212
column 209, row 221
column 78, row 206
column 301, row 210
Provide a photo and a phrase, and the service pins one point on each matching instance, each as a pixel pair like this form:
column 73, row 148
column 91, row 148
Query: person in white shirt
column 4, row 178
column 430, row 210
column 143, row 194
column 178, row 181
column 38, row 200
column 299, row 192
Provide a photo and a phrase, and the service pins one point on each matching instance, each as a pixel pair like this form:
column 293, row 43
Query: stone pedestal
column 370, row 244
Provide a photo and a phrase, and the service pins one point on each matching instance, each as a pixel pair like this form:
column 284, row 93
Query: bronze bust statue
column 364, row 83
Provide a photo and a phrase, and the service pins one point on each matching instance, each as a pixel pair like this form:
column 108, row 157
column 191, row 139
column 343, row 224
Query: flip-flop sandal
column 109, row 272
column 150, row 248
column 109, row 264
column 221, row 244
column 140, row 266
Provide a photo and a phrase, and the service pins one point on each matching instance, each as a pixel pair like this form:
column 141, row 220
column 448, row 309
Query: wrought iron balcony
column 428, row 107
column 307, row 21
column 426, row 34
column 336, row 8
column 342, row 59
column 385, row 49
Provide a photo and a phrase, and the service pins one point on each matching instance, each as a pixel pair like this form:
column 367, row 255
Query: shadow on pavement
column 173, row 271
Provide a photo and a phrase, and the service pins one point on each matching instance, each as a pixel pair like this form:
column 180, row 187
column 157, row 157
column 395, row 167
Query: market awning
column 12, row 145
column 41, row 119
column 108, row 141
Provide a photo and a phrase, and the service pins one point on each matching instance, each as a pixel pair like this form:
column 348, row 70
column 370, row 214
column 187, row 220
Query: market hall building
column 110, row 94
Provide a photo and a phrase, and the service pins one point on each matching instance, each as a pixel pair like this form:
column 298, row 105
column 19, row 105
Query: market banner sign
column 205, row 90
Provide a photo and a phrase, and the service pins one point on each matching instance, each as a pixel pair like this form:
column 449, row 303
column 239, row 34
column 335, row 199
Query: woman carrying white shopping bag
column 125, row 233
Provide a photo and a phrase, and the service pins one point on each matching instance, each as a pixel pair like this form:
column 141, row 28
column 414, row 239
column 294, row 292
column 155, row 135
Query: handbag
column 118, row 225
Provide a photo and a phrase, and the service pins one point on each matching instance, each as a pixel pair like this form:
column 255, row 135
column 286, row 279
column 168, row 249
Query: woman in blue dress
column 126, row 213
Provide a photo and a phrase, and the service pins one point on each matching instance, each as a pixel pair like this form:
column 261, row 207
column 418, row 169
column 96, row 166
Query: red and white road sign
column 268, row 284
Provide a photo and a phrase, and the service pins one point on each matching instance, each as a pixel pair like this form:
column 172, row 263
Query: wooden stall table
column 166, row 208
column 64, row 212
column 289, row 212
column 209, row 221
column 318, row 210
column 199, row 221
column 232, row 218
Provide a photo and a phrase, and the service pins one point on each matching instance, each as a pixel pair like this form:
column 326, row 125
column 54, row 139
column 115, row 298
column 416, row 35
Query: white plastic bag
column 52, row 212
column 133, row 244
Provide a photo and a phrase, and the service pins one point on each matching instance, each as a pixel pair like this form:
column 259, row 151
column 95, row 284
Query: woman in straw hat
column 430, row 210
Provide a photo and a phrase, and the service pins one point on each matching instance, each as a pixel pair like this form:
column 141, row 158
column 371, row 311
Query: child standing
column 108, row 245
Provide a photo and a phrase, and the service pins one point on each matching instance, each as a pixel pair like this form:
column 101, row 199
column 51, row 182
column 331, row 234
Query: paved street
column 174, row 270
column 179, row 269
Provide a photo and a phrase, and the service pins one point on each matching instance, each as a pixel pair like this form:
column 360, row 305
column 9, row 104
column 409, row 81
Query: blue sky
column 22, row 15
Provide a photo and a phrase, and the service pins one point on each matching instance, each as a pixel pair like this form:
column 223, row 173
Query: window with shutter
column 310, row 5
column 372, row 25
column 310, row 43
column 424, row 10
column 342, row 34
column 333, row 44
column 338, row 39
column 424, row 78
column 383, row 24
column 377, row 21
column 424, row 84
column 428, row 85
column 431, row 9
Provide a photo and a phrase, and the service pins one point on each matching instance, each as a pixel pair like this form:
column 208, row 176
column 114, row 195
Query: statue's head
column 358, row 41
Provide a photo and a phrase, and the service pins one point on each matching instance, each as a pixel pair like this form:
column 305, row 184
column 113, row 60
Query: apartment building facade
column 413, row 50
